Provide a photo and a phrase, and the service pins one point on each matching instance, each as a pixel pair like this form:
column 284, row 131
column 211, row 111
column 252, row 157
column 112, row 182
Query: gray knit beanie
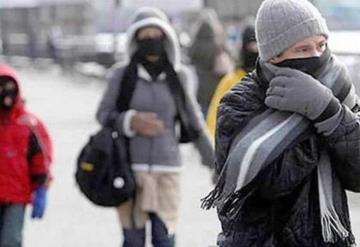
column 281, row 23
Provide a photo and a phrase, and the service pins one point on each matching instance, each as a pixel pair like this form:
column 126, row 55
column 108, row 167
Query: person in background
column 25, row 157
column 209, row 55
column 288, row 138
column 53, row 37
column 247, row 59
column 160, row 102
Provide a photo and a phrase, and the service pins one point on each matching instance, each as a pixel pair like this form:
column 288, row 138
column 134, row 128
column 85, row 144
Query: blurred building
column 230, row 10
column 26, row 27
column 78, row 29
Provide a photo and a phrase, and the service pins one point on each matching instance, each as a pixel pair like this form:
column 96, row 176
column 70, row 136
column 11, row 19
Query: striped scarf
column 265, row 138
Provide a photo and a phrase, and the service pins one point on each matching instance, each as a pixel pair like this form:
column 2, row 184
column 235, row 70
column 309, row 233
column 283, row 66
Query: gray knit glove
column 294, row 91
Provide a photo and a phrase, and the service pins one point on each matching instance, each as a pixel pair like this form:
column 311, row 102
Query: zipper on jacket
column 153, row 137
column 150, row 153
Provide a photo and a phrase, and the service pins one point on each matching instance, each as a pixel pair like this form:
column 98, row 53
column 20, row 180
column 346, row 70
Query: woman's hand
column 146, row 123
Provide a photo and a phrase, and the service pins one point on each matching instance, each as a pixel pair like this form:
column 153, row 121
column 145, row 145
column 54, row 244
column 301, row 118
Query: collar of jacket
column 262, row 75
column 142, row 73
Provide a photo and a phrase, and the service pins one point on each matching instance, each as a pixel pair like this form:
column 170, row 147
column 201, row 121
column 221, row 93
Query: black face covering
column 151, row 47
column 309, row 65
column 8, row 94
column 154, row 68
column 249, row 59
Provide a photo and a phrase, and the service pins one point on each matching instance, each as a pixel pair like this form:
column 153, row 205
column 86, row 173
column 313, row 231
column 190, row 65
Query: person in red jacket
column 25, row 156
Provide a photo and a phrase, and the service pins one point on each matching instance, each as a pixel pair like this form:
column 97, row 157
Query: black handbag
column 103, row 169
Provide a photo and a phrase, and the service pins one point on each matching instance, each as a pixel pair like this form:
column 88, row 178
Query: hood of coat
column 7, row 71
column 148, row 16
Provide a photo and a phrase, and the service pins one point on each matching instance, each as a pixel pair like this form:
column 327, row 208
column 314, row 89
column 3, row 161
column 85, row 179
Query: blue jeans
column 159, row 235
column 11, row 224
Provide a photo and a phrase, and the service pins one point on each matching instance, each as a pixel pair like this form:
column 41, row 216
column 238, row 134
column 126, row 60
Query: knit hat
column 281, row 23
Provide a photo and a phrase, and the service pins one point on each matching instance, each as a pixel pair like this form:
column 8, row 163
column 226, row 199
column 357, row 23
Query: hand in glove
column 294, row 91
column 39, row 202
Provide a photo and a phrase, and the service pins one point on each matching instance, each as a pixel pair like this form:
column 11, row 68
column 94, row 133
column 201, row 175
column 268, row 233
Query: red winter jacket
column 25, row 150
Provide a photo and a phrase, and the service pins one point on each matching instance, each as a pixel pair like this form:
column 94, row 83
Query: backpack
column 103, row 169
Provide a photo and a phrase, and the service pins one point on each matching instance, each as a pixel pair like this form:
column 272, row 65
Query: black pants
column 159, row 235
column 11, row 224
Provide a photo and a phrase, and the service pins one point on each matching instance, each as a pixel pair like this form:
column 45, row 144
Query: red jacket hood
column 6, row 70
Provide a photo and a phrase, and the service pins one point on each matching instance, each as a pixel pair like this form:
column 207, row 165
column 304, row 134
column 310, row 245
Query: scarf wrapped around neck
column 265, row 137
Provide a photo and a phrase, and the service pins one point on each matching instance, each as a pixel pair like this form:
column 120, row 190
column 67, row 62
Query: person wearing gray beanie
column 281, row 23
column 288, row 139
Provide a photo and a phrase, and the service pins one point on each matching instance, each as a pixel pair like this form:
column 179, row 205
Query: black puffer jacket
column 281, row 208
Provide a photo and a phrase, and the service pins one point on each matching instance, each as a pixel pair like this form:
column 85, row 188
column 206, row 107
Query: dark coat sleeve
column 344, row 142
column 39, row 153
column 289, row 170
column 203, row 143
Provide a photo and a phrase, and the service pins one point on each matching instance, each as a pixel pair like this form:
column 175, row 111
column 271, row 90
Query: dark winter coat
column 281, row 205
column 203, row 54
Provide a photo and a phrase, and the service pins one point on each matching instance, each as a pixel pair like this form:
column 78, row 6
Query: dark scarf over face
column 314, row 66
column 152, row 47
column 8, row 93
column 309, row 65
column 154, row 68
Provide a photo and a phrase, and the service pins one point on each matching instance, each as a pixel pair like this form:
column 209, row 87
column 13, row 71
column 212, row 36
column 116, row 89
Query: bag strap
column 127, row 88
column 125, row 93
column 187, row 132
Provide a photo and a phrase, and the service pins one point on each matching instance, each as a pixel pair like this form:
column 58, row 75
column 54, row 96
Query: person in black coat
column 288, row 139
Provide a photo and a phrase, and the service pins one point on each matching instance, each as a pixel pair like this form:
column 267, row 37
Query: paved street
column 68, row 104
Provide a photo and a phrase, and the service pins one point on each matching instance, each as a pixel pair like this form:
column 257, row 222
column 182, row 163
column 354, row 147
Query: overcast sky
column 164, row 4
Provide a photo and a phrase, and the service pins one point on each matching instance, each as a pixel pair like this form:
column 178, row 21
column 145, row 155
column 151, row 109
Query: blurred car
column 106, row 55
